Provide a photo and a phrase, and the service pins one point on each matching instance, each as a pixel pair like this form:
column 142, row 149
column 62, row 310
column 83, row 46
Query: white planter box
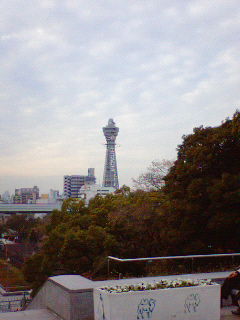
column 197, row 303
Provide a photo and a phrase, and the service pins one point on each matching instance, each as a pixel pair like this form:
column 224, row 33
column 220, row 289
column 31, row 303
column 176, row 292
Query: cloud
column 158, row 68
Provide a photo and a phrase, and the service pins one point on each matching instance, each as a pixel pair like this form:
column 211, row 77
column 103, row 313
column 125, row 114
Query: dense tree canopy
column 203, row 190
column 78, row 238
column 25, row 225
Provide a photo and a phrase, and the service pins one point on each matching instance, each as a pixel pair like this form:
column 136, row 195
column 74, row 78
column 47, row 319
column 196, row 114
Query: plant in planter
column 162, row 284
column 175, row 299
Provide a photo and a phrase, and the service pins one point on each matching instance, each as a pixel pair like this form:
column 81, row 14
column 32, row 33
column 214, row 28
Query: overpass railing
column 172, row 264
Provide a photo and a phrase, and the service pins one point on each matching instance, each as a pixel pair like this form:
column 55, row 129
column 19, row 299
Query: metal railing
column 15, row 304
column 150, row 259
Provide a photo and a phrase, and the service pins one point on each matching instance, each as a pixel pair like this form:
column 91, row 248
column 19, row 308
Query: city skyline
column 157, row 68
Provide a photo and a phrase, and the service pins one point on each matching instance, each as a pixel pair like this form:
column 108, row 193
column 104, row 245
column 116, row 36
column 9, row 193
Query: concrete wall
column 71, row 296
column 82, row 305
column 196, row 302
column 40, row 300
column 68, row 304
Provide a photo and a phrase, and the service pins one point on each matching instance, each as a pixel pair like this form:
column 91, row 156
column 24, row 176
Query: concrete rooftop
column 77, row 282
column 58, row 293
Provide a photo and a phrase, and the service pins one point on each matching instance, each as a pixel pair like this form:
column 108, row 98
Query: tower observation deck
column 110, row 176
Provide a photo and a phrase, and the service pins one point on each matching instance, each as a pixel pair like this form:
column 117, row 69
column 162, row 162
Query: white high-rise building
column 73, row 183
column 89, row 191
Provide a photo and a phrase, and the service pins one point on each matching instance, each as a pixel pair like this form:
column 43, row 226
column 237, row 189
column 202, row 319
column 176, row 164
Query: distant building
column 54, row 195
column 43, row 199
column 26, row 195
column 44, row 196
column 89, row 191
column 72, row 184
column 91, row 172
column 6, row 197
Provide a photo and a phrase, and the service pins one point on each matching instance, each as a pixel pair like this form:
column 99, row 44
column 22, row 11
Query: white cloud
column 158, row 68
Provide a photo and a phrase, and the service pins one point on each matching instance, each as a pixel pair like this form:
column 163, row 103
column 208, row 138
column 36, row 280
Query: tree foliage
column 78, row 239
column 195, row 211
column 153, row 178
column 24, row 225
column 203, row 189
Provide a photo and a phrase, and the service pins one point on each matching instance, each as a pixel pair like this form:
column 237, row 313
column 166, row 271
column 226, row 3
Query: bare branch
column 153, row 178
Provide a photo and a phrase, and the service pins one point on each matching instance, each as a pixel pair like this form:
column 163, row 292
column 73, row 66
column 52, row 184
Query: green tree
column 22, row 224
column 135, row 223
column 33, row 272
column 78, row 239
column 202, row 191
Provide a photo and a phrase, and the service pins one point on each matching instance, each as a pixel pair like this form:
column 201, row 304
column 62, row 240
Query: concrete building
column 26, row 195
column 110, row 176
column 6, row 197
column 72, row 184
column 44, row 198
column 54, row 195
column 89, row 191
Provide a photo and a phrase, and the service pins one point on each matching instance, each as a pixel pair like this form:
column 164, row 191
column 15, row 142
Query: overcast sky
column 158, row 68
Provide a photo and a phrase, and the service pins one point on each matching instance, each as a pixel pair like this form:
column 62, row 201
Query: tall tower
column 110, row 176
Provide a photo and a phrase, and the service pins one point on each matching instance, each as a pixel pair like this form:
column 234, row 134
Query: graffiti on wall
column 145, row 308
column 100, row 309
column 191, row 303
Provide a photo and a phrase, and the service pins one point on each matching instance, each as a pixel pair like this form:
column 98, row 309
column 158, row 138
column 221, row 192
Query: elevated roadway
column 11, row 208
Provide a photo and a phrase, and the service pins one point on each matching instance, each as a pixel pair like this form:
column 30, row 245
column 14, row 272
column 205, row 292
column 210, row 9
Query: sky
column 158, row 68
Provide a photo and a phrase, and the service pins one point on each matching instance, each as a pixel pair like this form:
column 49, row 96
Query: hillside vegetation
column 11, row 278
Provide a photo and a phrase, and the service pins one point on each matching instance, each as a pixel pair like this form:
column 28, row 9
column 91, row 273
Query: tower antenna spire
column 110, row 176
